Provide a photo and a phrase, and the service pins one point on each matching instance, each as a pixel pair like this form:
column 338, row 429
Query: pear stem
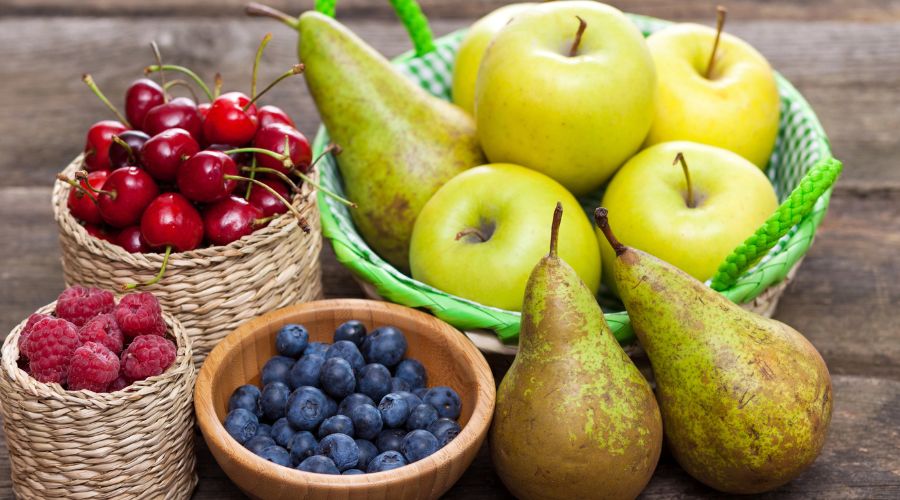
column 720, row 23
column 89, row 80
column 601, row 216
column 118, row 140
column 554, row 229
column 295, row 70
column 259, row 10
column 181, row 69
column 259, row 52
column 471, row 231
column 155, row 279
column 679, row 158
column 582, row 25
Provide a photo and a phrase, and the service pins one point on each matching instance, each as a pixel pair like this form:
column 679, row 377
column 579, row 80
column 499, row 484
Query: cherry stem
column 300, row 219
column 162, row 74
column 181, row 83
column 295, row 70
column 259, row 10
column 263, row 221
column 554, row 229
column 720, row 23
column 679, row 158
column 601, row 216
column 327, row 192
column 259, row 52
column 77, row 186
column 155, row 279
column 89, row 80
column 281, row 175
column 83, row 176
column 118, row 140
column 181, row 69
column 217, row 85
column 471, row 231
column 278, row 156
column 582, row 25
column 252, row 176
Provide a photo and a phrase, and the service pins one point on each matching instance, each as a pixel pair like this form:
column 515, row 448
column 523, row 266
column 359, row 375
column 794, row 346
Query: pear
column 746, row 400
column 574, row 417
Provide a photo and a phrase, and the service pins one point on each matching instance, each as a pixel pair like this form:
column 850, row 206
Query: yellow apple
column 648, row 205
column 573, row 115
column 736, row 107
column 471, row 50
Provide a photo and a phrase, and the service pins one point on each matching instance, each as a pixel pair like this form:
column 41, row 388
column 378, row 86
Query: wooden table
column 842, row 54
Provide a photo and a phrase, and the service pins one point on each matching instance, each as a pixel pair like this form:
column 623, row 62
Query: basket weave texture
column 133, row 443
column 211, row 290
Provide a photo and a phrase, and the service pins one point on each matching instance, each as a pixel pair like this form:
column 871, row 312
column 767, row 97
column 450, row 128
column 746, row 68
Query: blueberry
column 282, row 432
column 306, row 371
column 347, row 350
column 418, row 444
column 277, row 455
column 274, row 400
column 394, row 410
column 306, row 408
column 302, row 446
column 338, row 424
column 241, row 424
column 420, row 392
column 277, row 369
column 317, row 348
column 291, row 340
column 352, row 472
column 353, row 330
column 366, row 421
column 246, row 397
column 412, row 372
column 264, row 430
column 337, row 378
column 388, row 460
column 367, row 451
column 331, row 407
column 257, row 444
column 421, row 417
column 411, row 399
column 352, row 401
column 374, row 381
column 399, row 385
column 389, row 439
column 319, row 465
column 444, row 430
column 445, row 401
column 385, row 345
column 341, row 449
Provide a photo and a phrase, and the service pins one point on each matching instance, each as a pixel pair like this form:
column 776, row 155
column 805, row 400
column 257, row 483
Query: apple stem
column 181, row 83
column 471, row 231
column 720, row 23
column 554, row 229
column 162, row 74
column 259, row 10
column 679, row 158
column 77, row 187
column 217, row 85
column 89, row 80
column 300, row 219
column 155, row 279
column 601, row 216
column 582, row 25
column 259, row 52
column 153, row 68
column 295, row 70
column 118, row 140
column 278, row 173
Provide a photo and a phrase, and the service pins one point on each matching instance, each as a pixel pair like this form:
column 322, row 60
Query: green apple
column 735, row 107
column 471, row 51
column 578, row 117
column 481, row 234
column 648, row 206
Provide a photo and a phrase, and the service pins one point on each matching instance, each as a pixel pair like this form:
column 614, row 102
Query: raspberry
column 118, row 384
column 146, row 356
column 93, row 367
column 79, row 304
column 51, row 345
column 140, row 314
column 26, row 332
column 103, row 329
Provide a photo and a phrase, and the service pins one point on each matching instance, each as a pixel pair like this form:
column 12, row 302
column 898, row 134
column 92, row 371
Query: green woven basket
column 801, row 169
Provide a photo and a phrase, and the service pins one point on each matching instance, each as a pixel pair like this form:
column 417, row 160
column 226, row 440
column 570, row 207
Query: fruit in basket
column 272, row 138
column 93, row 367
column 163, row 154
column 269, row 114
column 746, row 400
column 231, row 119
column 126, row 148
column 479, row 235
column 180, row 112
column 204, row 177
column 124, row 196
column 231, row 219
column 50, row 346
column 96, row 148
column 693, row 229
column 574, row 417
column 140, row 314
column 471, row 51
column 589, row 97
column 725, row 96
column 131, row 239
column 79, row 304
column 142, row 95
column 103, row 329
column 147, row 356
column 82, row 202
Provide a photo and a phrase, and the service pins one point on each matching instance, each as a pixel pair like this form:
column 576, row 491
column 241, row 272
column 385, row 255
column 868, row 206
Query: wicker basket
column 211, row 290
column 133, row 443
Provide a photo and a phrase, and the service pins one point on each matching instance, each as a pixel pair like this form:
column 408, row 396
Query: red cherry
column 203, row 177
column 271, row 137
column 131, row 240
column 163, row 154
column 228, row 123
column 264, row 200
column 203, row 109
column 82, row 205
column 120, row 156
column 230, row 219
column 126, row 193
column 141, row 96
column 273, row 114
column 180, row 112
column 101, row 232
column 171, row 221
column 96, row 148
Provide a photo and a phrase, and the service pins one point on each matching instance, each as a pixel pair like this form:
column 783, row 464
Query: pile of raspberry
column 92, row 343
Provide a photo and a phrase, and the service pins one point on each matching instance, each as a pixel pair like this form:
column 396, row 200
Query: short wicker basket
column 211, row 290
column 133, row 443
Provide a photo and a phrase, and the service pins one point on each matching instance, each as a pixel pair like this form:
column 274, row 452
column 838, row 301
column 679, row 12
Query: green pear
column 574, row 416
column 746, row 400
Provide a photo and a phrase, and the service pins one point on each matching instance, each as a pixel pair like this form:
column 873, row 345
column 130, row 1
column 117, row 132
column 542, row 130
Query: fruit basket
column 211, row 290
column 134, row 443
column 801, row 169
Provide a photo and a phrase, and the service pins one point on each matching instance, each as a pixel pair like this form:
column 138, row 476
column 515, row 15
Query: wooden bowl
column 448, row 356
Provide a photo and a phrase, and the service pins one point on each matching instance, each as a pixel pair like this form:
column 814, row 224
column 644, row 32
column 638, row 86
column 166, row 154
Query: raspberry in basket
column 140, row 314
column 105, row 330
column 26, row 331
column 93, row 368
column 118, row 384
column 51, row 345
column 146, row 356
column 78, row 304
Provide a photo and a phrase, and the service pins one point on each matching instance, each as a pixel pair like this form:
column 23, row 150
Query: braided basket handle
column 409, row 13
column 797, row 206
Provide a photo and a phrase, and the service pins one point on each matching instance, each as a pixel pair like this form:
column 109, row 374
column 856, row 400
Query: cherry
column 125, row 194
column 265, row 201
column 207, row 176
column 163, row 154
column 180, row 112
column 81, row 201
column 272, row 138
column 131, row 240
column 96, row 148
column 101, row 232
column 231, row 120
column 269, row 114
column 125, row 149
column 141, row 96
column 231, row 219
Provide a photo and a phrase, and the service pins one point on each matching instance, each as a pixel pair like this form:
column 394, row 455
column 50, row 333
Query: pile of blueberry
column 350, row 407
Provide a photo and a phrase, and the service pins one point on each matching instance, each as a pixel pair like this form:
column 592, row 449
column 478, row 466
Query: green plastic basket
column 801, row 169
